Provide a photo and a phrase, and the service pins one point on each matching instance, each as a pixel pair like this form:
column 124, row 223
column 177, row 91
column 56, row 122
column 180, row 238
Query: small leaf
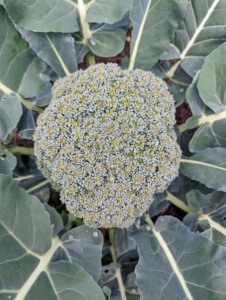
column 7, row 162
column 122, row 242
column 207, row 166
column 10, row 113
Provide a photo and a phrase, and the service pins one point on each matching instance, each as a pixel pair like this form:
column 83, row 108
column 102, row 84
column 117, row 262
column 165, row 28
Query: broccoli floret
column 107, row 143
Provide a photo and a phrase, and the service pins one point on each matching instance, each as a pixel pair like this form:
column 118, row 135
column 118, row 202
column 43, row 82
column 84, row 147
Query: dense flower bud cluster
column 107, row 143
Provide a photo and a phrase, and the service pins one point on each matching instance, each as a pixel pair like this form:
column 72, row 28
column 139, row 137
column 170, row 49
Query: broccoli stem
column 90, row 59
column 18, row 149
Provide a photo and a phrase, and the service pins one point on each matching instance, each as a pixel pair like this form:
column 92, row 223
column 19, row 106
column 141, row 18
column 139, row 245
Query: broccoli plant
column 92, row 161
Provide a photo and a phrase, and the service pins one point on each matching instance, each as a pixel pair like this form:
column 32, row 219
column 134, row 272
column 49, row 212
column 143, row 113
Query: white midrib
column 87, row 34
column 8, row 91
column 201, row 163
column 212, row 118
column 213, row 224
column 137, row 42
column 171, row 72
column 45, row 259
column 173, row 264
column 58, row 56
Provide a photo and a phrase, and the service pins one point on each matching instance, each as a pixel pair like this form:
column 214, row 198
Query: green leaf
column 10, row 113
column 44, row 16
column 20, row 67
column 211, row 84
column 154, row 22
column 122, row 242
column 201, row 31
column 123, row 273
column 33, row 265
column 210, row 208
column 87, row 243
column 175, row 263
column 55, row 219
column 56, row 49
column 211, row 131
column 96, row 12
column 207, row 166
column 7, row 162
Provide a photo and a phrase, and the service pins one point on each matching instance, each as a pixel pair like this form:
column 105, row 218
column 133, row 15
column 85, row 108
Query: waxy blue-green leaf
column 37, row 186
column 211, row 84
column 56, row 49
column 102, row 39
column 175, row 263
column 55, row 219
column 43, row 16
column 122, row 242
column 7, row 162
column 20, row 67
column 211, row 131
column 120, row 277
column 210, row 209
column 10, row 113
column 31, row 264
column 87, row 243
column 201, row 31
column 207, row 166
column 154, row 23
column 178, row 84
column 96, row 12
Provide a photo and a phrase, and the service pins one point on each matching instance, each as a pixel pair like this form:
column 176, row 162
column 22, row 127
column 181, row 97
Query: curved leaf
column 43, row 16
column 10, row 113
column 7, row 162
column 201, row 31
column 154, row 22
column 207, row 166
column 31, row 266
column 56, row 49
column 210, row 209
column 211, row 131
column 175, row 263
column 96, row 12
column 20, row 67
column 211, row 84
column 122, row 242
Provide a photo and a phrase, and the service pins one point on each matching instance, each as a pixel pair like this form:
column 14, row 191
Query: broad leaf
column 175, row 263
column 207, row 166
column 20, row 67
column 211, row 131
column 44, row 16
column 33, row 265
column 210, row 209
column 201, row 31
column 7, row 162
column 96, row 12
column 211, row 84
column 56, row 49
column 154, row 22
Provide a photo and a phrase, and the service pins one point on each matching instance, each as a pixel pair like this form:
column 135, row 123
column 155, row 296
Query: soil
column 183, row 112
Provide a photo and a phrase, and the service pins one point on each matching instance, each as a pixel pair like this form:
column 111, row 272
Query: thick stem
column 18, row 149
column 178, row 203
column 90, row 58
column 23, row 178
column 114, row 258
